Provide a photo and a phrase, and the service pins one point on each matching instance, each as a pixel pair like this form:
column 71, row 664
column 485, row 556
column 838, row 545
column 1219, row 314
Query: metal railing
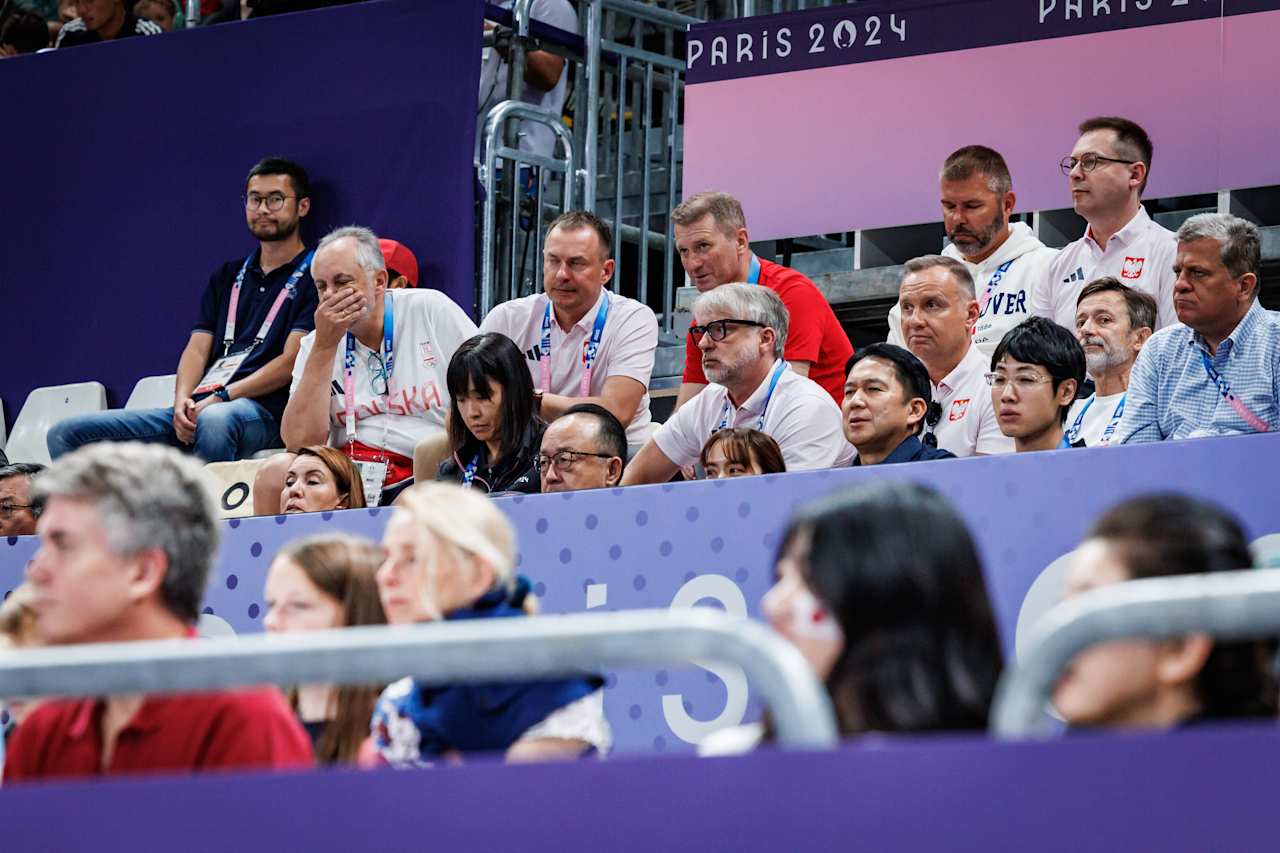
column 1226, row 605
column 468, row 651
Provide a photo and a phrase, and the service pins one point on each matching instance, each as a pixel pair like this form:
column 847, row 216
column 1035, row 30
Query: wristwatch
column 221, row 391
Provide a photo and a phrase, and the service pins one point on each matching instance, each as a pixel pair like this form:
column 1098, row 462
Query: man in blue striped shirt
column 1218, row 371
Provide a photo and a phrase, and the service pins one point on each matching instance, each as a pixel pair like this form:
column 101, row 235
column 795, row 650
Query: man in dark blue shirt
column 887, row 401
column 233, row 377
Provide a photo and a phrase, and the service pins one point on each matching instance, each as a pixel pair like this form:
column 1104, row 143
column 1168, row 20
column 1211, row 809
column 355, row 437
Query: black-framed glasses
column 564, row 460
column 1089, row 161
column 8, row 509
column 273, row 201
column 719, row 329
column 377, row 374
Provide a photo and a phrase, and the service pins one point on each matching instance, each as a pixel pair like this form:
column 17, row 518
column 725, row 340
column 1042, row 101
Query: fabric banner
column 712, row 543
column 127, row 163
column 853, row 108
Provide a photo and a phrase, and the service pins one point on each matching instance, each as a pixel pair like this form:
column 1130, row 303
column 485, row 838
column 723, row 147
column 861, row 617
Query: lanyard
column 290, row 288
column 469, row 473
column 992, row 283
column 753, row 273
column 1073, row 434
column 773, row 383
column 1224, row 388
column 349, row 365
column 590, row 348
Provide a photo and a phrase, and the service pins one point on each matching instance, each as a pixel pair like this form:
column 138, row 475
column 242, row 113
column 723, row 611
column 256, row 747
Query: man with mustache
column 1005, row 259
column 1112, row 323
column 233, row 377
column 1107, row 172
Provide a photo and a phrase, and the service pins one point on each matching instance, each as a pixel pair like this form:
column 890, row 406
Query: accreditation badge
column 372, row 475
column 221, row 372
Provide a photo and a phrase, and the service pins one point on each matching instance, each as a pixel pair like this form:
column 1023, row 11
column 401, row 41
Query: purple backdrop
column 1195, row 791
column 975, row 71
column 126, row 162
column 713, row 542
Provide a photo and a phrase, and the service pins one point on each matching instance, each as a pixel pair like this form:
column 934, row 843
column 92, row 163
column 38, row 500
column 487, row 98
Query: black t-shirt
column 257, row 295
column 74, row 34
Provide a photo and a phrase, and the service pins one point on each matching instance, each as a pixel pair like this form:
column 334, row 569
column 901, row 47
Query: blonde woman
column 450, row 555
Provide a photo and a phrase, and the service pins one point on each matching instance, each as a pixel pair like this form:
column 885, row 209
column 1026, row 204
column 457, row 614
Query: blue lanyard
column 1224, row 388
column 469, row 473
column 1073, row 434
column 753, row 273
column 349, row 364
column 590, row 347
column 773, row 383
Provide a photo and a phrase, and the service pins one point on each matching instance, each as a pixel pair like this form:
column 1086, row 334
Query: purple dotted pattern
column 645, row 543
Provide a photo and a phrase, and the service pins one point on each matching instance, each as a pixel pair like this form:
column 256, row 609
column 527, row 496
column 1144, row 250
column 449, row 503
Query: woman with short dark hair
column 1144, row 683
column 494, row 433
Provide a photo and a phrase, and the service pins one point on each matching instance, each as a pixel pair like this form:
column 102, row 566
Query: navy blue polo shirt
column 912, row 449
column 256, row 297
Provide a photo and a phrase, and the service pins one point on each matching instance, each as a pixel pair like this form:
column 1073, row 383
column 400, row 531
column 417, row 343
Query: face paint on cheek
column 811, row 620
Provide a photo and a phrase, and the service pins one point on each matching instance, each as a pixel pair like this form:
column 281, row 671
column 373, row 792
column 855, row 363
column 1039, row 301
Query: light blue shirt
column 1172, row 396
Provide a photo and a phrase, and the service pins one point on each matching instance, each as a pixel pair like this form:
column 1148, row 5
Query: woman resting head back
column 318, row 583
column 1163, row 683
column 882, row 591
column 741, row 452
column 321, row 479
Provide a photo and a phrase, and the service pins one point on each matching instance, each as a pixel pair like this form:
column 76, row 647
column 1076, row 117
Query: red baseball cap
column 400, row 259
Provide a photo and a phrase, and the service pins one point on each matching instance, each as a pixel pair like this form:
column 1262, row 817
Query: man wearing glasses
column 233, row 376
column 585, row 448
column 1107, row 173
column 1035, row 373
column 741, row 331
column 18, row 512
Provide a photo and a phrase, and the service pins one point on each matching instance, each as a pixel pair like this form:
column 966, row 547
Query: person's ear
column 917, row 408
column 768, row 337
column 380, row 282
column 613, row 473
column 607, row 271
column 1248, row 287
column 1066, row 392
column 1180, row 660
column 1137, row 174
column 1009, row 202
column 480, row 579
column 1141, row 336
column 146, row 574
column 971, row 312
column 304, row 207
column 344, row 500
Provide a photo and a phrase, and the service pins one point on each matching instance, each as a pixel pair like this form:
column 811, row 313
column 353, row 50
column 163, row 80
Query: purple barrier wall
column 126, row 162
column 920, row 79
column 713, row 542
column 1196, row 791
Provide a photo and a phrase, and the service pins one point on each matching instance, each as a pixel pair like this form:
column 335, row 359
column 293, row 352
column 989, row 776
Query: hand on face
column 339, row 310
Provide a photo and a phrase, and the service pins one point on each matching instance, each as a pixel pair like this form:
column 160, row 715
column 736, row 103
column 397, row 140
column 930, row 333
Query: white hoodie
column 1010, row 300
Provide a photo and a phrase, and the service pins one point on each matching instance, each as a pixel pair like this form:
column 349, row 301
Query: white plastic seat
column 153, row 392
column 44, row 408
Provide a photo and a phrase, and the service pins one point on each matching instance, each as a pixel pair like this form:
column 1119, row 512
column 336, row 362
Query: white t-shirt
column 968, row 424
column 429, row 327
column 1101, row 412
column 800, row 416
column 627, row 348
column 1140, row 254
column 1010, row 300
column 535, row 138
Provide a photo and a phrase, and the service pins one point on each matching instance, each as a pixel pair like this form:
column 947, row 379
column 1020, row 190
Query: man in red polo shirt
column 126, row 540
column 711, row 237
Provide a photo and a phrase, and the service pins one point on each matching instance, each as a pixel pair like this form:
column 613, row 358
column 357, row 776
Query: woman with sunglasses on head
column 882, row 591
column 451, row 556
column 494, row 433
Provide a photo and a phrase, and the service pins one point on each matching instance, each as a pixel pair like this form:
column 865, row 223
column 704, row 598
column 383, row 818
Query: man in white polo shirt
column 1006, row 261
column 1112, row 323
column 938, row 310
column 1107, row 172
column 741, row 331
column 583, row 343
column 371, row 378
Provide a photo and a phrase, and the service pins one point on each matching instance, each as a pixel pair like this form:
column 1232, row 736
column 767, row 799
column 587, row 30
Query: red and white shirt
column 968, row 424
column 1140, row 255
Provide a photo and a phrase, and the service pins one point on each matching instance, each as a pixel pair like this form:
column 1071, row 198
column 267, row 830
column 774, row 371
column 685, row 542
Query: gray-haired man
column 1217, row 372
column 741, row 331
column 18, row 511
column 371, row 378
column 126, row 540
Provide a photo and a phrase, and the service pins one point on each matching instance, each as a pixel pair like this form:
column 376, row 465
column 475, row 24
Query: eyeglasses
column 274, row 201
column 719, row 329
column 1023, row 382
column 564, row 460
column 8, row 510
column 377, row 374
column 1088, row 162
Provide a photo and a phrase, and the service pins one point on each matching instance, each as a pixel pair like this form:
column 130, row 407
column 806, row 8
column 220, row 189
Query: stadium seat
column 152, row 392
column 44, row 408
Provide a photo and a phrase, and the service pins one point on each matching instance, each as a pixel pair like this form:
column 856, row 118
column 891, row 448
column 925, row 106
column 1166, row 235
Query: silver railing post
column 449, row 652
column 1226, row 605
column 594, row 30
column 192, row 14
